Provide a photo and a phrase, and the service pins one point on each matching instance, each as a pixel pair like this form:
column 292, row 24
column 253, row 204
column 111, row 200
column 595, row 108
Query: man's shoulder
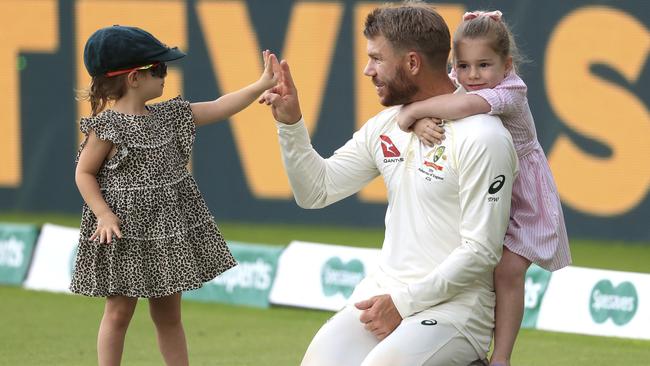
column 481, row 130
column 386, row 115
column 479, row 125
column 493, row 121
column 383, row 120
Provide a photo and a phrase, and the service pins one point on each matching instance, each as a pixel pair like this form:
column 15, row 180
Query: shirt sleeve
column 507, row 98
column 317, row 182
column 487, row 166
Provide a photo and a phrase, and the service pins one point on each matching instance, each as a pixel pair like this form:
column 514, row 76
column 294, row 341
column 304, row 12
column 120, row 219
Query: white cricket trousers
column 420, row 340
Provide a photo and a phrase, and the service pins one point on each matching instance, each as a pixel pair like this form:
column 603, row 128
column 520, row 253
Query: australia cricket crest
column 434, row 164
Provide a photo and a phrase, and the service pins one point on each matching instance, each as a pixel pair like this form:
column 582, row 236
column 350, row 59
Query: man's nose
column 369, row 70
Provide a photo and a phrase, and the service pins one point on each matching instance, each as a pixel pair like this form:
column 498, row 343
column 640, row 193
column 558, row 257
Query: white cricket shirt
column 448, row 209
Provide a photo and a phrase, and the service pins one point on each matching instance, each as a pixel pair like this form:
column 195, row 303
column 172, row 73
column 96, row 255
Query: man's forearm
column 317, row 182
column 304, row 167
column 464, row 266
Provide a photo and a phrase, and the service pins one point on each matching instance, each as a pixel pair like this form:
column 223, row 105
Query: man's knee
column 394, row 356
column 416, row 344
column 341, row 341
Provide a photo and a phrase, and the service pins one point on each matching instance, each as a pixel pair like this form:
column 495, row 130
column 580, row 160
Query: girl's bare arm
column 448, row 106
column 232, row 103
column 90, row 161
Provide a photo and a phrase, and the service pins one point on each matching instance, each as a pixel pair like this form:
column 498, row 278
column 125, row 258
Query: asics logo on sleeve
column 388, row 147
column 495, row 187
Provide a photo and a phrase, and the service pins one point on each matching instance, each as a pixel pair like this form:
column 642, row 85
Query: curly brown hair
column 102, row 90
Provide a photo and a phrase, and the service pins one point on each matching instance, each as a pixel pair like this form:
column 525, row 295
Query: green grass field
column 38, row 328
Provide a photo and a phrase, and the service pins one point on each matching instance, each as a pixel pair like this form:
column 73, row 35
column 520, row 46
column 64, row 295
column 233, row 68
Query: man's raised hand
column 283, row 98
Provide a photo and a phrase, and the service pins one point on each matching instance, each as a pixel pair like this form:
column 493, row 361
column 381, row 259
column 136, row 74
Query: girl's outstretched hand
column 271, row 73
column 108, row 225
column 429, row 131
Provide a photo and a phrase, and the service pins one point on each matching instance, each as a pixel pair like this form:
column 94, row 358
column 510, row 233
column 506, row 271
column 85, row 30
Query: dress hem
column 163, row 293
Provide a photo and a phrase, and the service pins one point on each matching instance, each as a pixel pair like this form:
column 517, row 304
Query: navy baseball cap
column 120, row 47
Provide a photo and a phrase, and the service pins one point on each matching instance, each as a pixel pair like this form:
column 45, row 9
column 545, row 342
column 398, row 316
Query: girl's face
column 152, row 84
column 478, row 66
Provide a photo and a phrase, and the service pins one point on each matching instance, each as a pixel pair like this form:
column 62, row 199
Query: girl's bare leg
column 509, row 279
column 118, row 312
column 166, row 315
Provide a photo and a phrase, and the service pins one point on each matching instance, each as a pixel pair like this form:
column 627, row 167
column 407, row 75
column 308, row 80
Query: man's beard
column 399, row 90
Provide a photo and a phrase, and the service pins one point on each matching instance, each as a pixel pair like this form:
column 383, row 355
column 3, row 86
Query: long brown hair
column 497, row 33
column 102, row 90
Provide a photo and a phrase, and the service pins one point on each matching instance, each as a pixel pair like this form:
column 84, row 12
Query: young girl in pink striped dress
column 483, row 65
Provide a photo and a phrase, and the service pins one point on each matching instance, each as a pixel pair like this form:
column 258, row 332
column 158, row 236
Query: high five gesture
column 283, row 98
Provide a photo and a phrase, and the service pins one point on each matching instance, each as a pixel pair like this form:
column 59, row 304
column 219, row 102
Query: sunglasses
column 157, row 69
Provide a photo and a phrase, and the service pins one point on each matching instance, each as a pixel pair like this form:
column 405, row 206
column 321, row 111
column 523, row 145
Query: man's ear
column 413, row 62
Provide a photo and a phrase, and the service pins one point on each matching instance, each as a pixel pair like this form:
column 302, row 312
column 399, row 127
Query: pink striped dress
column 537, row 230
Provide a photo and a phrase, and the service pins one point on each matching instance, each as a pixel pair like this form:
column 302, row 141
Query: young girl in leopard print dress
column 145, row 230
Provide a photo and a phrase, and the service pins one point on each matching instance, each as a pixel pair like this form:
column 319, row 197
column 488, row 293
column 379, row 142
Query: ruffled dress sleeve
column 180, row 116
column 106, row 130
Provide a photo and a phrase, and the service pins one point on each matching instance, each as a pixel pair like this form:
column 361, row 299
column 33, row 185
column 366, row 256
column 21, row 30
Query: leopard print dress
column 170, row 242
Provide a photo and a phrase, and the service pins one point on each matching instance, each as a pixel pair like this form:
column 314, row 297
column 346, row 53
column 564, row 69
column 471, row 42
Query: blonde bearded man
column 431, row 300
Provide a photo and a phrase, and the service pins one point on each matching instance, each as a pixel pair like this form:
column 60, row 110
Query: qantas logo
column 389, row 148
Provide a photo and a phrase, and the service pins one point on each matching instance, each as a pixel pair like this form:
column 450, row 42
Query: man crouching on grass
column 431, row 300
